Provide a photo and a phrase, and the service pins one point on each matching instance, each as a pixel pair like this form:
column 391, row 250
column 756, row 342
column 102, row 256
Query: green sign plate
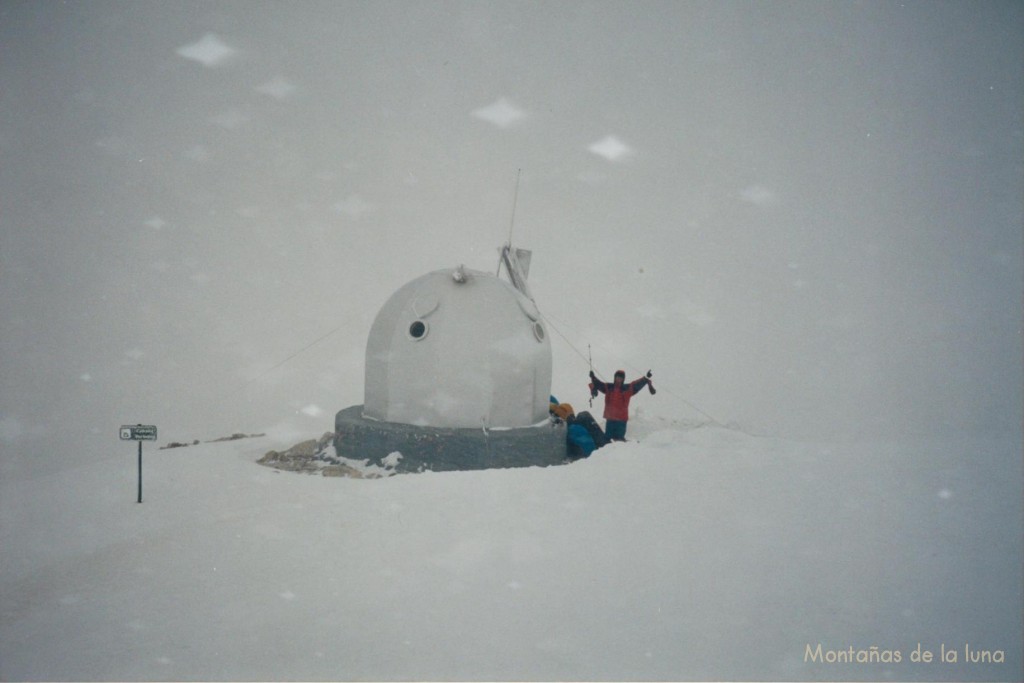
column 138, row 432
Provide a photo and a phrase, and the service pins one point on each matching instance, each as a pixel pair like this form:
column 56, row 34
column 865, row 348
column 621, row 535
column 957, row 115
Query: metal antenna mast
column 512, row 223
column 515, row 201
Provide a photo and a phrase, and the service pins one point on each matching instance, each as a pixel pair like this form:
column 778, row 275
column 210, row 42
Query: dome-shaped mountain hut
column 458, row 376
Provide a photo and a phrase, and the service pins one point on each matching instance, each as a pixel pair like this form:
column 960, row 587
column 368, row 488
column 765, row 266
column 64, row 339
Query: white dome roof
column 458, row 348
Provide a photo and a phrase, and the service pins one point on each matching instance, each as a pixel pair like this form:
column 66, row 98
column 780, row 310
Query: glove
column 592, row 375
column 649, row 374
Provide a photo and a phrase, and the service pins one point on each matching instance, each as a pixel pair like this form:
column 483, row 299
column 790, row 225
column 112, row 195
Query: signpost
column 139, row 433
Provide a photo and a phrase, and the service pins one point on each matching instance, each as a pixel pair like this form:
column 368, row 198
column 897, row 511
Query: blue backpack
column 587, row 421
column 579, row 442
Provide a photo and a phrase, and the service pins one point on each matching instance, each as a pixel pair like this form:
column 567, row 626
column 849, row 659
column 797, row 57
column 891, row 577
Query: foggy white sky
column 805, row 217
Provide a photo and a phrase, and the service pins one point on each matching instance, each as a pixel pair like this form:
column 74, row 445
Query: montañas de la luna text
column 877, row 655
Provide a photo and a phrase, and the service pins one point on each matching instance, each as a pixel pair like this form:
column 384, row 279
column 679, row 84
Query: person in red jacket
column 616, row 401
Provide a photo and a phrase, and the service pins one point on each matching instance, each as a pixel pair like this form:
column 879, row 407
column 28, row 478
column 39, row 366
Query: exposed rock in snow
column 179, row 444
column 317, row 456
column 195, row 442
column 342, row 471
column 235, row 437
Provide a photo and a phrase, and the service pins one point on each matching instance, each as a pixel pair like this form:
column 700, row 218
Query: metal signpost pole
column 140, row 471
column 138, row 433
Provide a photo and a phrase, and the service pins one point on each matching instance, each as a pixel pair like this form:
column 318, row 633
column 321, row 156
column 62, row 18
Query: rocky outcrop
column 315, row 456
column 342, row 471
column 235, row 437
column 195, row 442
column 299, row 458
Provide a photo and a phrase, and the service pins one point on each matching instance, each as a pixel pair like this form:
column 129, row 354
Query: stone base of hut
column 440, row 449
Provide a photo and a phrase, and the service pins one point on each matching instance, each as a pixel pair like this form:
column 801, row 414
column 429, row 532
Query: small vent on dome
column 418, row 330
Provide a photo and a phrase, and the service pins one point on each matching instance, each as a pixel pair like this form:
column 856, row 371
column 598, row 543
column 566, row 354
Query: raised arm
column 638, row 384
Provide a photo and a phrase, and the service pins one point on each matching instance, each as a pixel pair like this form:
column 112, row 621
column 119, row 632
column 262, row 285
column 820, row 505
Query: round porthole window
column 418, row 330
column 538, row 331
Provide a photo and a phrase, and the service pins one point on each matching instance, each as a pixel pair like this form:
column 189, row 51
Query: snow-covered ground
column 695, row 552
column 804, row 217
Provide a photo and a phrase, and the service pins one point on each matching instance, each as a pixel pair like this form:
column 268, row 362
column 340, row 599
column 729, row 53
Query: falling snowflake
column 502, row 113
column 278, row 88
column 313, row 410
column 209, row 51
column 758, row 195
column 611, row 148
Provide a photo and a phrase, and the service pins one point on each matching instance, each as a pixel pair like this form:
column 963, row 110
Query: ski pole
column 590, row 360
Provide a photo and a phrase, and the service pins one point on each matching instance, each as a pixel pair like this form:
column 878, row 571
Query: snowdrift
column 693, row 553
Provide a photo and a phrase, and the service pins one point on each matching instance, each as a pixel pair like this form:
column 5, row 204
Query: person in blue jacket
column 578, row 440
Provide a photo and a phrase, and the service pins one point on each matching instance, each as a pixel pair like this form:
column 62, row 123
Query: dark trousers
column 615, row 430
